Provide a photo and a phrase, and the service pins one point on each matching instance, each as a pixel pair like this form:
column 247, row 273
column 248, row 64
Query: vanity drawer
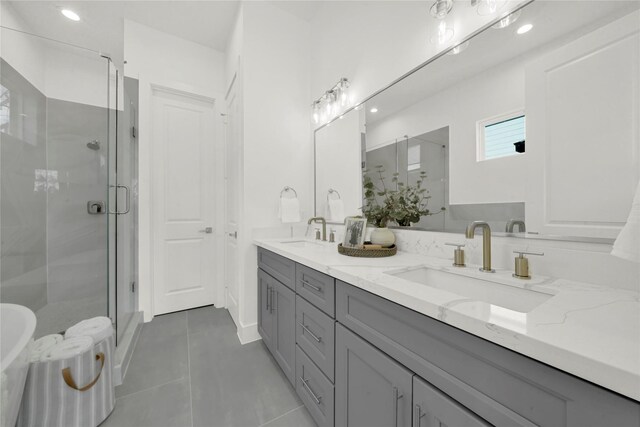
column 317, row 288
column 315, row 334
column 315, row 390
column 278, row 266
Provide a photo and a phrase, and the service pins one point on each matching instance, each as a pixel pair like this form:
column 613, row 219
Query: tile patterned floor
column 189, row 370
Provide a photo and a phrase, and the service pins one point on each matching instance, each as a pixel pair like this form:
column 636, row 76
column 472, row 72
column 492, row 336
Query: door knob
column 207, row 230
column 234, row 234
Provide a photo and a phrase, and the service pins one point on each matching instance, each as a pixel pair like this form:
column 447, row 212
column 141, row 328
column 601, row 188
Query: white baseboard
column 248, row 333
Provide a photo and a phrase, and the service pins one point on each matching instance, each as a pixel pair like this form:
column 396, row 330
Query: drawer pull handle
column 268, row 296
column 271, row 292
column 417, row 416
column 314, row 336
column 396, row 396
column 315, row 288
column 316, row 398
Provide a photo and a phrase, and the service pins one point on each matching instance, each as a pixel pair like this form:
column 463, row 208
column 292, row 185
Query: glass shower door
column 122, row 203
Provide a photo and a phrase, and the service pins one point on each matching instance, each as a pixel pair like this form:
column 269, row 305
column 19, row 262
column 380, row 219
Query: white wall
column 373, row 43
column 277, row 146
column 23, row 52
column 496, row 91
column 338, row 150
column 154, row 57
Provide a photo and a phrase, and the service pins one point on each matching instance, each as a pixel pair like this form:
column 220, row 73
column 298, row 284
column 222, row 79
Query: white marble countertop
column 590, row 331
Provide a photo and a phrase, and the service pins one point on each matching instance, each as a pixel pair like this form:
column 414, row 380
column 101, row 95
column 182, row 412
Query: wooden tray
column 368, row 253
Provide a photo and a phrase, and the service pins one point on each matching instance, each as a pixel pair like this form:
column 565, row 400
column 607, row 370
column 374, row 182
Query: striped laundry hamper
column 73, row 392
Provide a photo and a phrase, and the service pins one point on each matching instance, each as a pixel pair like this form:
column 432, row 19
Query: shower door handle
column 128, row 200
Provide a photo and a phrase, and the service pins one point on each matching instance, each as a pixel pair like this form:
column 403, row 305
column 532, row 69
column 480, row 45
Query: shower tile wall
column 76, row 241
column 23, row 194
column 54, row 254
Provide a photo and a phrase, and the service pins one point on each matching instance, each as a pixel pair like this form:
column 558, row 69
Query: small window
column 413, row 157
column 501, row 137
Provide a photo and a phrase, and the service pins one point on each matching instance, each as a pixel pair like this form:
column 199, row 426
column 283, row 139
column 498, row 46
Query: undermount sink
column 301, row 243
column 476, row 288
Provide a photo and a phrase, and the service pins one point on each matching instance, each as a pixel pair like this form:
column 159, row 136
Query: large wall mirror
column 541, row 126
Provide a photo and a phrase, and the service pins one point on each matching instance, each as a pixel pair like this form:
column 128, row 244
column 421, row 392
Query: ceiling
column 101, row 28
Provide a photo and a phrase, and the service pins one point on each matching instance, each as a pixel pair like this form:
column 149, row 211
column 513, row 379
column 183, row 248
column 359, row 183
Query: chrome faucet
column 486, row 243
column 324, row 226
column 513, row 222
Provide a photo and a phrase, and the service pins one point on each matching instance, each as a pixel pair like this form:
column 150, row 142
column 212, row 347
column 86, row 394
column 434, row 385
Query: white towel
column 289, row 210
column 336, row 210
column 97, row 328
column 68, row 348
column 41, row 345
column 627, row 245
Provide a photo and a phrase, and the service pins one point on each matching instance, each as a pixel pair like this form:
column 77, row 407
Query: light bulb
column 445, row 34
column 441, row 8
column 489, row 7
column 456, row 50
column 507, row 20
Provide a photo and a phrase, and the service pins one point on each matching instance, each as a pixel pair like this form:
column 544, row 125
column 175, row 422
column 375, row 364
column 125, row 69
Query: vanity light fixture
column 461, row 47
column 507, row 20
column 374, row 110
column 332, row 102
column 70, row 14
column 489, row 7
column 524, row 29
column 441, row 8
column 445, row 34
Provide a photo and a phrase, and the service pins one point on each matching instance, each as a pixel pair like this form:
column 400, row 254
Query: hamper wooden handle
column 66, row 374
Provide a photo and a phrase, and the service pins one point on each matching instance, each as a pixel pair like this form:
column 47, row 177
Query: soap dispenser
column 522, row 264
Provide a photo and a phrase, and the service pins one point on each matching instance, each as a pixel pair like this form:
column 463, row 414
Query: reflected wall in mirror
column 569, row 87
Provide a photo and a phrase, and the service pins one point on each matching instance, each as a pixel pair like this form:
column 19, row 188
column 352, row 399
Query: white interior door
column 232, row 202
column 183, row 200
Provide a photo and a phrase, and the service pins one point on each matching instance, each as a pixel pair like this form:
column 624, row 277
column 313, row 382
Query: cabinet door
column 284, row 344
column 432, row 408
column 265, row 301
column 372, row 390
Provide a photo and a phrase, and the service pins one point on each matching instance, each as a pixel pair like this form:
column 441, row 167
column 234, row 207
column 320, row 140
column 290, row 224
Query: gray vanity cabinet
column 432, row 408
column 265, row 314
column 277, row 320
column 284, row 343
column 372, row 390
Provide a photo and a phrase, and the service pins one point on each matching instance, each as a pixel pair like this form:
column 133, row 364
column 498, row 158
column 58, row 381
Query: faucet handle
column 523, row 253
column 459, row 245
column 458, row 254
column 522, row 264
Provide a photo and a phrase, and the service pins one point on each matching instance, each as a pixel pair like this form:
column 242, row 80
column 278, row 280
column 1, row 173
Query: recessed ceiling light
column 70, row 14
column 524, row 29
column 374, row 110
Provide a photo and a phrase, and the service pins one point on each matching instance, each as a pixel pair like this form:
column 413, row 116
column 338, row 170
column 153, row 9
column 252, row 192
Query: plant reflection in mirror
column 404, row 205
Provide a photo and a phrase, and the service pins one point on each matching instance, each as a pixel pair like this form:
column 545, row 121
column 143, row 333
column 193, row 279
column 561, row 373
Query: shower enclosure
column 68, row 183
